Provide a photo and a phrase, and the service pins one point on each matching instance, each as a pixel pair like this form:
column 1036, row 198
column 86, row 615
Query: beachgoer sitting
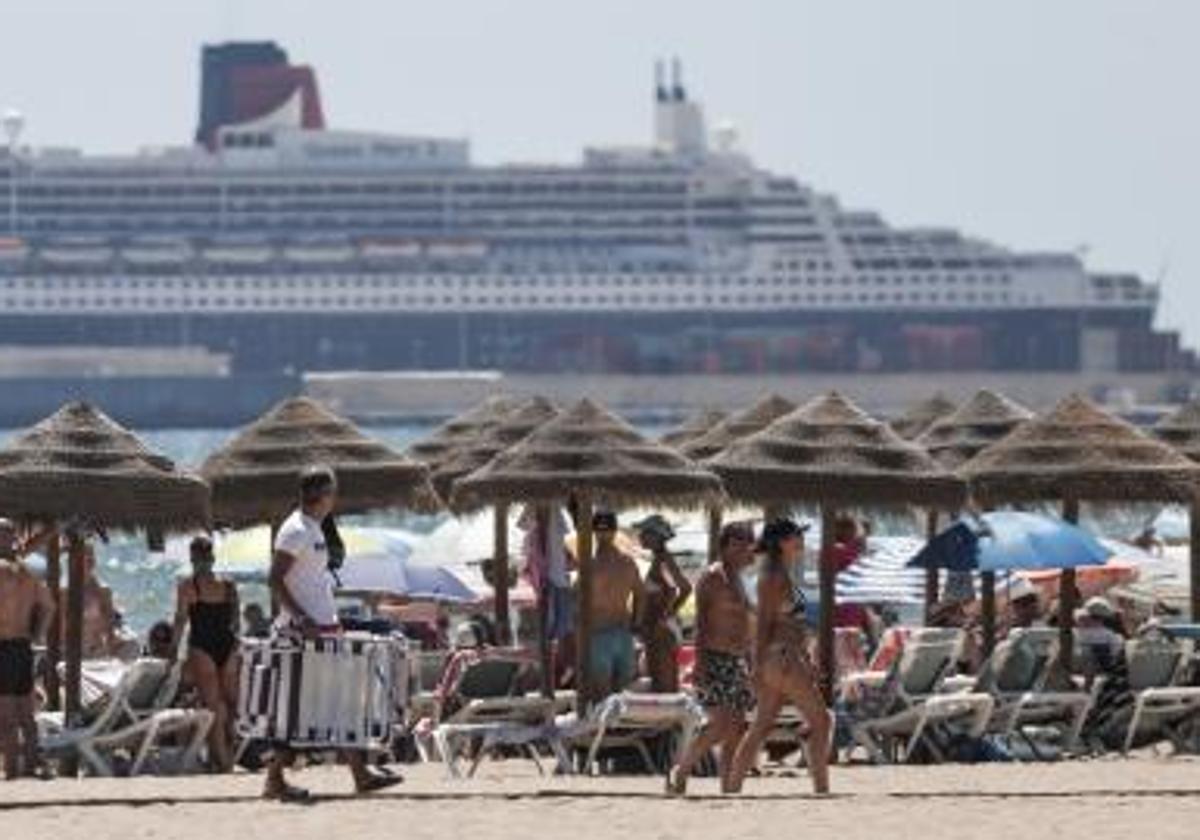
column 1024, row 606
column 1100, row 642
column 208, row 605
column 617, row 596
column 255, row 624
column 25, row 611
column 160, row 641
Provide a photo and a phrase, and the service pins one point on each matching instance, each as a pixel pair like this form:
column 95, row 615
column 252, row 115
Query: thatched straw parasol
column 952, row 441
column 78, row 464
column 1075, row 453
column 693, row 427
column 447, row 438
column 920, row 416
column 588, row 455
column 254, row 475
column 1181, row 431
column 79, row 468
column 1080, row 452
column 507, row 431
column 972, row 427
column 587, row 449
column 515, row 425
column 833, row 453
column 737, row 426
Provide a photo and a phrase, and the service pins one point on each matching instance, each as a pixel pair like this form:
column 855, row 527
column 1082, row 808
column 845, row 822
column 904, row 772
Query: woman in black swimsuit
column 209, row 606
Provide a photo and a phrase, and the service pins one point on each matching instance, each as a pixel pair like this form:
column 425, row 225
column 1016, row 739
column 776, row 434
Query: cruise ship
column 291, row 246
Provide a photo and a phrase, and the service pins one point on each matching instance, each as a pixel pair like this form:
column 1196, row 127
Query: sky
column 1069, row 125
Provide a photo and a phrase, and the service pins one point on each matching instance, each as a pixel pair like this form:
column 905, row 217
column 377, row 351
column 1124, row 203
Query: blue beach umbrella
column 1009, row 540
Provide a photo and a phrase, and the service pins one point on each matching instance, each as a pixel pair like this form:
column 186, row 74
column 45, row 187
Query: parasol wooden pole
column 826, row 573
column 54, row 634
column 583, row 636
column 714, row 534
column 932, row 577
column 545, row 652
column 500, row 575
column 987, row 585
column 74, row 640
column 1194, row 557
column 1066, row 597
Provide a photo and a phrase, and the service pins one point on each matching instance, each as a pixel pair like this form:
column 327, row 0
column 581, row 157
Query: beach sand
column 1117, row 798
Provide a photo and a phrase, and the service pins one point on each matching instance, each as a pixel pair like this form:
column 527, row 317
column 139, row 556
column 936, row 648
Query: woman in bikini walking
column 783, row 671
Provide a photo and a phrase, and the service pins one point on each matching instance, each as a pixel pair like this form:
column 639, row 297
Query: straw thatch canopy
column 79, row 463
column 587, row 449
column 511, row 430
column 920, row 416
column 693, row 427
column 972, row 427
column 1080, row 452
column 1181, row 430
column 737, row 426
column 254, row 476
column 832, row 451
column 447, row 438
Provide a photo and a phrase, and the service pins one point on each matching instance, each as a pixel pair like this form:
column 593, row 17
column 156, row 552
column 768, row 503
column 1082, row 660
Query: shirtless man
column 25, row 611
column 617, row 595
column 722, row 643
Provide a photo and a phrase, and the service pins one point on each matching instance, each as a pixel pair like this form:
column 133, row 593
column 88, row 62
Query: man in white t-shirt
column 302, row 585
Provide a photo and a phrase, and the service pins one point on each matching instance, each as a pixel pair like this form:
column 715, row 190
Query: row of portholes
column 508, row 301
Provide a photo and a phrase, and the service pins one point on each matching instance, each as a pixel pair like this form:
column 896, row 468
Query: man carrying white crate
column 301, row 583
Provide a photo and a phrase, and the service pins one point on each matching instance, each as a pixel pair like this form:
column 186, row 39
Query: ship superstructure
column 293, row 246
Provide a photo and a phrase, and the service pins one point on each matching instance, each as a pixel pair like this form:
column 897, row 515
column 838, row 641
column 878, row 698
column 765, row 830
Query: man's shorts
column 723, row 681
column 612, row 661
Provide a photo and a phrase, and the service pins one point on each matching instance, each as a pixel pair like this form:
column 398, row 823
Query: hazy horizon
column 1065, row 126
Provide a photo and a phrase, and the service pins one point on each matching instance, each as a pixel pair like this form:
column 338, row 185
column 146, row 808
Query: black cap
column 604, row 520
column 778, row 530
column 201, row 543
column 656, row 525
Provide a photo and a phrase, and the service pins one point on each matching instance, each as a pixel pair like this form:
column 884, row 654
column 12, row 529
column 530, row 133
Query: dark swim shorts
column 723, row 681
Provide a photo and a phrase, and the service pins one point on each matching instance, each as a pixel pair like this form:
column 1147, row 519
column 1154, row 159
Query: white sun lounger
column 1020, row 689
column 917, row 703
column 1161, row 706
column 524, row 722
column 627, row 719
column 132, row 716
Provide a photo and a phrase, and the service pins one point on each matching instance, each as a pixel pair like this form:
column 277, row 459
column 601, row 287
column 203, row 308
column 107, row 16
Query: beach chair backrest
column 427, row 669
column 139, row 684
column 1014, row 667
column 149, row 677
column 489, row 678
column 1152, row 662
column 923, row 665
column 936, row 635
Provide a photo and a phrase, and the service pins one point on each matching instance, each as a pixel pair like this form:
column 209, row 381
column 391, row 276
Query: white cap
column 1021, row 588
